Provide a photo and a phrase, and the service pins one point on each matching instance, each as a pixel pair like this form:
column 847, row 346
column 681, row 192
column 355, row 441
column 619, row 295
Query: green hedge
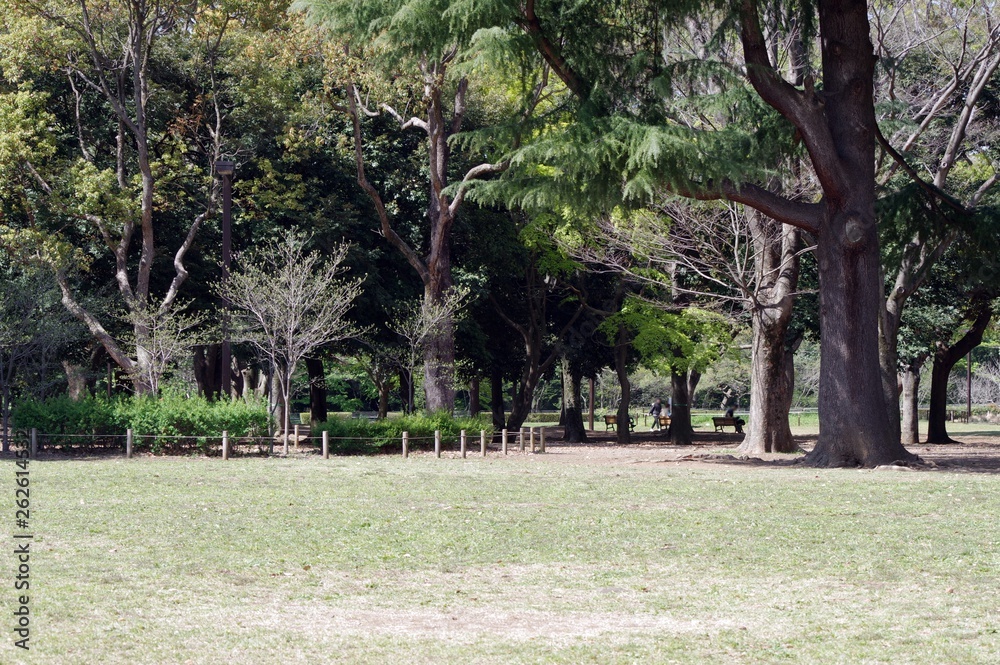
column 360, row 435
column 170, row 415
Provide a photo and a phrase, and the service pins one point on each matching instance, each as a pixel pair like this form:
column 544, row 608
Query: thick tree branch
column 386, row 228
column 550, row 52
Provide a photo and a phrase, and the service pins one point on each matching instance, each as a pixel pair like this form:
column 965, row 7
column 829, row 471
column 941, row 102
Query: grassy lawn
column 516, row 560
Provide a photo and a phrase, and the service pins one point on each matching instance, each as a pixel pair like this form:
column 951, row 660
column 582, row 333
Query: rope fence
column 224, row 445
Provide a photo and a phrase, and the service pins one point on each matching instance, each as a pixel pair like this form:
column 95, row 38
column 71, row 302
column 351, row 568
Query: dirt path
column 976, row 453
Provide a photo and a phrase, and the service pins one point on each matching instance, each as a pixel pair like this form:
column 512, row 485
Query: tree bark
column 207, row 370
column 317, row 390
column 624, row 432
column 681, row 430
column 474, row 396
column 910, row 378
column 572, row 402
column 76, row 379
column 773, row 370
column 944, row 360
column 771, row 386
column 496, row 398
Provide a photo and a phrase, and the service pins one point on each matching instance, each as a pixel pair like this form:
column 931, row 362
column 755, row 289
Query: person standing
column 655, row 411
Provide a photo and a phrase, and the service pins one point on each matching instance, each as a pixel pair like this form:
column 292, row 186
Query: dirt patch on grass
column 976, row 453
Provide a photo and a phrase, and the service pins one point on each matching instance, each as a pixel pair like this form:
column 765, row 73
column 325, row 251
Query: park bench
column 664, row 422
column 611, row 423
column 721, row 422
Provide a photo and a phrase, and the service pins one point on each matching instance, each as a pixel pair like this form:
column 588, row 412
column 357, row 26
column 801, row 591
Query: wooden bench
column 664, row 422
column 611, row 423
column 721, row 422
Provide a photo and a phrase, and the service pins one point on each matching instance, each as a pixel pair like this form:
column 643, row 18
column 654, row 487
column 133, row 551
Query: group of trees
column 525, row 186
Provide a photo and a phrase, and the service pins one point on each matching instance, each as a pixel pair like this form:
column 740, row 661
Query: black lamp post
column 226, row 169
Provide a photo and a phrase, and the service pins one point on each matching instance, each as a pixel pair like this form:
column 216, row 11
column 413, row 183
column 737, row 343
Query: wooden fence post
column 520, row 440
column 33, row 449
column 532, row 439
column 437, row 443
column 225, row 445
column 326, row 444
column 503, row 438
column 482, row 441
column 128, row 443
column 406, row 445
column 541, row 435
column 462, row 439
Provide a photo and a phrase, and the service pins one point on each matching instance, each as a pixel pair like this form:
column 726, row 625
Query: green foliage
column 170, row 415
column 689, row 339
column 62, row 415
column 360, row 435
column 175, row 415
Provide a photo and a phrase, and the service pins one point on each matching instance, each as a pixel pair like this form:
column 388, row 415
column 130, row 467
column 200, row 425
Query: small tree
column 170, row 333
column 292, row 302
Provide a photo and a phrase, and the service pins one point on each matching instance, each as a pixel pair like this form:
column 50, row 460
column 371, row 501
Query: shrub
column 170, row 415
column 62, row 415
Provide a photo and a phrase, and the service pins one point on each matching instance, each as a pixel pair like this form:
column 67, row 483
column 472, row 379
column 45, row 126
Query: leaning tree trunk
column 317, row 390
column 910, row 379
column 944, row 360
column 574, row 431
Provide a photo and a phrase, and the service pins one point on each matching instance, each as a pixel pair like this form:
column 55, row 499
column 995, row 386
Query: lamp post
column 226, row 169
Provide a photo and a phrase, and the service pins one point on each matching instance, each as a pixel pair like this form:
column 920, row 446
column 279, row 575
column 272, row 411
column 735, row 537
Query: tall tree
column 833, row 119
column 134, row 181
column 935, row 91
column 425, row 47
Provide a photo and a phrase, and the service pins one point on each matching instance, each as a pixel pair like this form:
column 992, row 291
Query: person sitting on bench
column 739, row 421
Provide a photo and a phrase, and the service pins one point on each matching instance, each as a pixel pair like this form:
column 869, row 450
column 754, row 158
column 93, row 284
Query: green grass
column 516, row 560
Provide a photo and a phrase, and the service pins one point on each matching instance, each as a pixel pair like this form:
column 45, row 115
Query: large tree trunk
column 574, row 431
column 944, row 360
column 76, row 379
column 854, row 422
column 439, row 369
column 208, row 370
column 681, row 431
column 317, row 390
column 772, row 366
column 771, row 386
column 910, row 378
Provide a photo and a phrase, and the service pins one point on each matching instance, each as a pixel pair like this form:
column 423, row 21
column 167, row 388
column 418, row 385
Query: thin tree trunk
column 624, row 433
column 474, row 396
column 910, row 378
column 944, row 360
